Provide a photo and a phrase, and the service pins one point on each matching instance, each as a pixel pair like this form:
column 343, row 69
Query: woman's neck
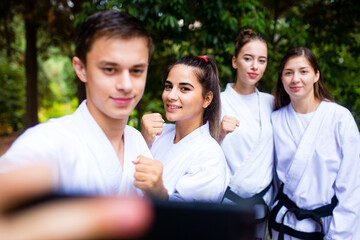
column 304, row 106
column 183, row 128
column 243, row 89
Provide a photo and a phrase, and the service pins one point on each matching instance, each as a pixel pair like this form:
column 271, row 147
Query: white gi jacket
column 249, row 150
column 194, row 168
column 323, row 163
column 81, row 154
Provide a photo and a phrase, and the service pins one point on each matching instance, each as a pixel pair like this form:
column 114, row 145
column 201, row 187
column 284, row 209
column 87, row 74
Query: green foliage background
column 188, row 27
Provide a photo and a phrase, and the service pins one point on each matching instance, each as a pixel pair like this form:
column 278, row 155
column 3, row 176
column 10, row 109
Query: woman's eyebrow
column 186, row 84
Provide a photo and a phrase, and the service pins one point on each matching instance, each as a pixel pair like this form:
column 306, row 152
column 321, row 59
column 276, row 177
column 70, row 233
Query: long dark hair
column 320, row 90
column 207, row 73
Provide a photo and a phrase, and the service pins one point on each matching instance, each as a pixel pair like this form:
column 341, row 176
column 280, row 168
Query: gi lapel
column 179, row 157
column 306, row 146
column 99, row 146
column 242, row 110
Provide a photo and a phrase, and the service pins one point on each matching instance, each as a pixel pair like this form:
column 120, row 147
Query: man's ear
column 79, row 68
column 208, row 99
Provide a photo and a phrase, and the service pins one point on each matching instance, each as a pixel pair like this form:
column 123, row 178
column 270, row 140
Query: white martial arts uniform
column 317, row 162
column 81, row 154
column 249, row 149
column 194, row 168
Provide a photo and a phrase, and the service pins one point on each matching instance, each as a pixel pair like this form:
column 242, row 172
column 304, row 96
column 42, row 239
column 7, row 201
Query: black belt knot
column 315, row 214
column 257, row 199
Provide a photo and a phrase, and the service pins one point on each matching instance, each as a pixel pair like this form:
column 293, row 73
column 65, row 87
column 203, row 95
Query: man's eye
column 109, row 70
column 138, row 71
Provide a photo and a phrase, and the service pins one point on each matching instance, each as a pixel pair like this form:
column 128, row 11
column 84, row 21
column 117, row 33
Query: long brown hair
column 320, row 90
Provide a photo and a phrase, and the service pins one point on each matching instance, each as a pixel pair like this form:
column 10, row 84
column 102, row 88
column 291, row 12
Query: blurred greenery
column 11, row 98
column 178, row 27
column 12, row 82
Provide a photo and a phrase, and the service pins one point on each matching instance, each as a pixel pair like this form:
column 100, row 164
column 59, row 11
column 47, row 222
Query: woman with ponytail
column 194, row 167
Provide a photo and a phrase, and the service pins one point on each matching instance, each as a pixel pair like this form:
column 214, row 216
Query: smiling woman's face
column 298, row 78
column 183, row 96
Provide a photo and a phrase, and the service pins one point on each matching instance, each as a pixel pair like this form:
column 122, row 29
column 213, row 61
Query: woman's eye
column 185, row 89
column 262, row 61
column 167, row 87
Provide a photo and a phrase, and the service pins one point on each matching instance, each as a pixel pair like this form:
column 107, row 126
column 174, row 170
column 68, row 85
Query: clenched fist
column 152, row 126
column 228, row 125
column 148, row 177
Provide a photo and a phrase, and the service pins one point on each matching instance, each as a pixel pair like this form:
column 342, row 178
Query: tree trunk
column 31, row 68
column 80, row 86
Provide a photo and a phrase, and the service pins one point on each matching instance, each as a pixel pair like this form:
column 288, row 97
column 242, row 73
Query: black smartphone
column 201, row 220
column 186, row 220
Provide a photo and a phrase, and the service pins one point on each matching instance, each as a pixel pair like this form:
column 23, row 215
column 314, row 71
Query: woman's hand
column 151, row 126
column 228, row 125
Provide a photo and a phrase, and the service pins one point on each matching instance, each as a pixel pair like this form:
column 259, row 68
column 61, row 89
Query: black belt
column 257, row 199
column 315, row 214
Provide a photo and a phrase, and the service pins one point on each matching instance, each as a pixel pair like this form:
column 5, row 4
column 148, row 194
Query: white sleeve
column 32, row 147
column 205, row 181
column 345, row 221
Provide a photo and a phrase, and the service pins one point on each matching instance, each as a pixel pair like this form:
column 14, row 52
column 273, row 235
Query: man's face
column 115, row 76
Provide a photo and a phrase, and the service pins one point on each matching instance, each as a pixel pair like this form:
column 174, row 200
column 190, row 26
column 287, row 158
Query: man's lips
column 122, row 101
